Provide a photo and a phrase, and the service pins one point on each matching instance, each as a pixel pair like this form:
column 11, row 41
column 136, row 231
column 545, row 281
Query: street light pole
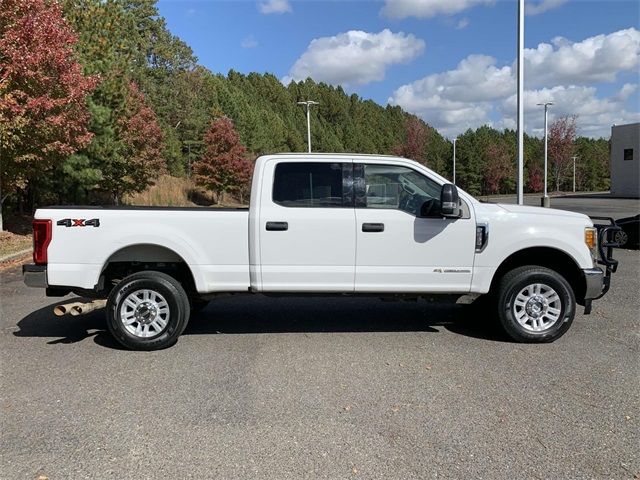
column 308, row 104
column 545, row 197
column 454, row 160
column 520, row 101
column 574, row 173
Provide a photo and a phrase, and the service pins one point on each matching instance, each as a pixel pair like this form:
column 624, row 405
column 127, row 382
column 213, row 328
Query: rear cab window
column 312, row 185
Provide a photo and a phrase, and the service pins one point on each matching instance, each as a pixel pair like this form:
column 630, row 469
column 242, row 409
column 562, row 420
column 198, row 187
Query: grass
column 171, row 191
column 168, row 191
column 11, row 243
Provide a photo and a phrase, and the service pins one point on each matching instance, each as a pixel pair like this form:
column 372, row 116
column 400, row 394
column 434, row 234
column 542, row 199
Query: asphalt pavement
column 321, row 388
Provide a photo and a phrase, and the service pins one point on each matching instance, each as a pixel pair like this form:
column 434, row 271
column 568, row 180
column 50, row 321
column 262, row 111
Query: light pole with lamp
column 545, row 198
column 520, row 101
column 308, row 104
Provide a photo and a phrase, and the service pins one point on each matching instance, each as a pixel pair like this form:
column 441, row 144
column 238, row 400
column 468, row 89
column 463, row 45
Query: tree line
column 98, row 98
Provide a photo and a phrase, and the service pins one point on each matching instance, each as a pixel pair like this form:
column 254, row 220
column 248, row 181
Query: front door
column 307, row 227
column 397, row 249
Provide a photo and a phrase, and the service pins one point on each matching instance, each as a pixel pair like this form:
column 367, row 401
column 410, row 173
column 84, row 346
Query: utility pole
column 454, row 160
column 574, row 173
column 520, row 101
column 545, row 197
column 308, row 104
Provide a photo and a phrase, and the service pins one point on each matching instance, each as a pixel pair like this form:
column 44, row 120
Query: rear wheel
column 147, row 311
column 535, row 304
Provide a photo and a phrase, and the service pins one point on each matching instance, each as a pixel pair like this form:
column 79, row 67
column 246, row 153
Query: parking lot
column 324, row 388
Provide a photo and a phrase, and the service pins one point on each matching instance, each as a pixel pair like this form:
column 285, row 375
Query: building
column 624, row 160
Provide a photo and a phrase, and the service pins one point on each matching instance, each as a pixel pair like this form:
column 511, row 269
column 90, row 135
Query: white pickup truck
column 332, row 224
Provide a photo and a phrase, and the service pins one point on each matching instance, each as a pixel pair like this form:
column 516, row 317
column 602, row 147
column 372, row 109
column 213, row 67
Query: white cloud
column 249, row 42
column 542, row 6
column 462, row 23
column 595, row 115
column 595, row 59
column 274, row 6
column 354, row 57
column 478, row 89
column 399, row 9
column 457, row 99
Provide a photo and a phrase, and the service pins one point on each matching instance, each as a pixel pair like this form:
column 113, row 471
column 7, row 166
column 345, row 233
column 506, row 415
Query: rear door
column 397, row 249
column 307, row 226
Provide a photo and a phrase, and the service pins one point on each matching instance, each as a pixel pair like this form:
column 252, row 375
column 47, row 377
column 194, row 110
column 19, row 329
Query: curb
column 14, row 256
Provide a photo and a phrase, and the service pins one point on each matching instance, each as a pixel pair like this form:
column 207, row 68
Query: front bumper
column 594, row 283
column 35, row 276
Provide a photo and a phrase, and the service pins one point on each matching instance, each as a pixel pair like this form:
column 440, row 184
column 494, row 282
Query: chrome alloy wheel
column 144, row 313
column 537, row 307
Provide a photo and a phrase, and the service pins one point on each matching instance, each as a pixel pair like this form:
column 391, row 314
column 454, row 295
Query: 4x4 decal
column 79, row 222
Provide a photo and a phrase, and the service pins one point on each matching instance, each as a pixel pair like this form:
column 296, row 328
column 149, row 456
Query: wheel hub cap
column 537, row 307
column 145, row 313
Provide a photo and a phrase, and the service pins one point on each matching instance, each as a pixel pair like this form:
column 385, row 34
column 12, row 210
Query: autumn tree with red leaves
column 535, row 179
column 562, row 136
column 497, row 169
column 43, row 114
column 224, row 167
column 415, row 141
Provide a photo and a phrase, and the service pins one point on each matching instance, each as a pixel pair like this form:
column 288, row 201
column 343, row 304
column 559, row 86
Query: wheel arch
column 549, row 257
column 140, row 257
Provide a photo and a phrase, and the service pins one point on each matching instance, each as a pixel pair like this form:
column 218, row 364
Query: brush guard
column 607, row 229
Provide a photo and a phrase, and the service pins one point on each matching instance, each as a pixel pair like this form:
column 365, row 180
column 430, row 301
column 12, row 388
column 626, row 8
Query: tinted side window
column 308, row 184
column 400, row 188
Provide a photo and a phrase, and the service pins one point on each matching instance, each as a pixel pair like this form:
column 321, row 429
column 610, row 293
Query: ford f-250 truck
column 332, row 224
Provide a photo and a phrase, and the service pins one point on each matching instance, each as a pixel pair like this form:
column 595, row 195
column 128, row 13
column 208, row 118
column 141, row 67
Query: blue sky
column 409, row 52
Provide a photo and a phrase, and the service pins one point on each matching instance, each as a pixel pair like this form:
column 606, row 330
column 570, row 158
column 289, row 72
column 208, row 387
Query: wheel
column 147, row 311
column 621, row 238
column 535, row 304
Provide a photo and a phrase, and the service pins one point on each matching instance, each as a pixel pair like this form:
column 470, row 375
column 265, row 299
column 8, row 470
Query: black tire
column 540, row 309
column 167, row 329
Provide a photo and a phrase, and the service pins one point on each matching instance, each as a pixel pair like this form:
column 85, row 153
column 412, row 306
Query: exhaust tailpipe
column 82, row 308
column 61, row 310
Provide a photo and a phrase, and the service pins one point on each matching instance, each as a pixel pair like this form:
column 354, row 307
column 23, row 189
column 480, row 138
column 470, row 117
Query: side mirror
column 450, row 201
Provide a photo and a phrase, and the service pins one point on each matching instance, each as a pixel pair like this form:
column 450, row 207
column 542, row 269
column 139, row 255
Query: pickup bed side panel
column 214, row 244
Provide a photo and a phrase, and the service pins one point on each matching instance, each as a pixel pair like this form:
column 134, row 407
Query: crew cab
column 326, row 224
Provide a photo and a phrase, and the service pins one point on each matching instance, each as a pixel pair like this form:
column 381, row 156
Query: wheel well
column 142, row 257
column 548, row 257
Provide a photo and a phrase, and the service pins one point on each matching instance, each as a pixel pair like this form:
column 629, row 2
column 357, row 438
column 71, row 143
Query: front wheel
column 535, row 304
column 147, row 311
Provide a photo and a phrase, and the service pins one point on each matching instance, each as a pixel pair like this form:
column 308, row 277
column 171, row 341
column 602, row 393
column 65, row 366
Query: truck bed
column 212, row 241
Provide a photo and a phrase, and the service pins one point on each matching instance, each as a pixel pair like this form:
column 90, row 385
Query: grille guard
column 606, row 244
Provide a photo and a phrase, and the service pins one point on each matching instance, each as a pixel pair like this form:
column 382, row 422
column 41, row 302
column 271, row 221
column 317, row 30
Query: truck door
column 399, row 251
column 307, row 226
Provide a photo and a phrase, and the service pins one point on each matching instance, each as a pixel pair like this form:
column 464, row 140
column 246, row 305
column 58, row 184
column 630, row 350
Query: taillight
column 41, row 240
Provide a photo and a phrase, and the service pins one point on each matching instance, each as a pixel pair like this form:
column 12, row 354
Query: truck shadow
column 262, row 315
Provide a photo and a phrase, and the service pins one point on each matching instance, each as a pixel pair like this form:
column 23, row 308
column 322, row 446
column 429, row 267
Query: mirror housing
column 450, row 201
